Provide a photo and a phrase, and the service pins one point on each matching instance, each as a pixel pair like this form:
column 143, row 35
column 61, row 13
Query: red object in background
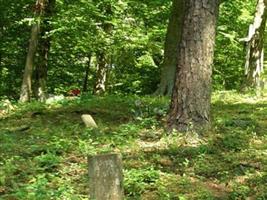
column 74, row 92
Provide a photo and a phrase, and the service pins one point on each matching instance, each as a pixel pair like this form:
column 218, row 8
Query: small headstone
column 105, row 176
column 89, row 121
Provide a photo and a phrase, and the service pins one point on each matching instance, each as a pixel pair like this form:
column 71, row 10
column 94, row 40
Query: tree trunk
column 1, row 43
column 41, row 70
column 102, row 56
column 255, row 50
column 190, row 103
column 172, row 40
column 100, row 85
column 26, row 87
column 44, row 46
column 85, row 82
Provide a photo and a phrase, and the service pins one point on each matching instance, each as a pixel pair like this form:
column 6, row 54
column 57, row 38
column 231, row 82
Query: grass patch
column 43, row 149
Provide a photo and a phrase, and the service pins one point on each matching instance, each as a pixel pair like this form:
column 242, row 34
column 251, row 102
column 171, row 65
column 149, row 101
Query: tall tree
column 190, row 103
column 43, row 51
column 255, row 51
column 102, row 54
column 26, row 87
column 41, row 9
column 172, row 40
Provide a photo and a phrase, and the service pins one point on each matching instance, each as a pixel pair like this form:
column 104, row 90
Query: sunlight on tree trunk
column 255, row 51
column 102, row 67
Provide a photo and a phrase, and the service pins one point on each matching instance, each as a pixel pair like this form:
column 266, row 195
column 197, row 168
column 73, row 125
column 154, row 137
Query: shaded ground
column 47, row 159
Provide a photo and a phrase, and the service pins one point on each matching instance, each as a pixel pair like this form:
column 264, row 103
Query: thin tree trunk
column 100, row 85
column 44, row 46
column 190, row 104
column 86, row 76
column 172, row 40
column 26, row 87
column 255, row 50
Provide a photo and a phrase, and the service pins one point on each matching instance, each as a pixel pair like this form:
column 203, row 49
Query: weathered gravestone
column 89, row 121
column 105, row 176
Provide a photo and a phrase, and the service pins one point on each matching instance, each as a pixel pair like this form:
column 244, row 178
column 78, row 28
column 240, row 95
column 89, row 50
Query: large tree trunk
column 255, row 52
column 26, row 87
column 190, row 104
column 172, row 40
column 44, row 46
column 102, row 68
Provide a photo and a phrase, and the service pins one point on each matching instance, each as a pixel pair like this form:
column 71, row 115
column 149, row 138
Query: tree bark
column 26, row 87
column 41, row 71
column 102, row 56
column 190, row 103
column 102, row 68
column 255, row 51
column 44, row 46
column 172, row 40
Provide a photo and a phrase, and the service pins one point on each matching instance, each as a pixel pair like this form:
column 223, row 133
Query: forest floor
column 44, row 149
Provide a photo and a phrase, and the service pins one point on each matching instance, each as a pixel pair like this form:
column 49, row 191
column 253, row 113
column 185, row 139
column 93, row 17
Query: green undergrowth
column 44, row 149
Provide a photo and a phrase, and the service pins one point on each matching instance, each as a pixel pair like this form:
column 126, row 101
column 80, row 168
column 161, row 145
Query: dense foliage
column 134, row 46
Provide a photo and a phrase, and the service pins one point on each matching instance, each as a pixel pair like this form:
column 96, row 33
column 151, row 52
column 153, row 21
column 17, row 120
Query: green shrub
column 138, row 180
